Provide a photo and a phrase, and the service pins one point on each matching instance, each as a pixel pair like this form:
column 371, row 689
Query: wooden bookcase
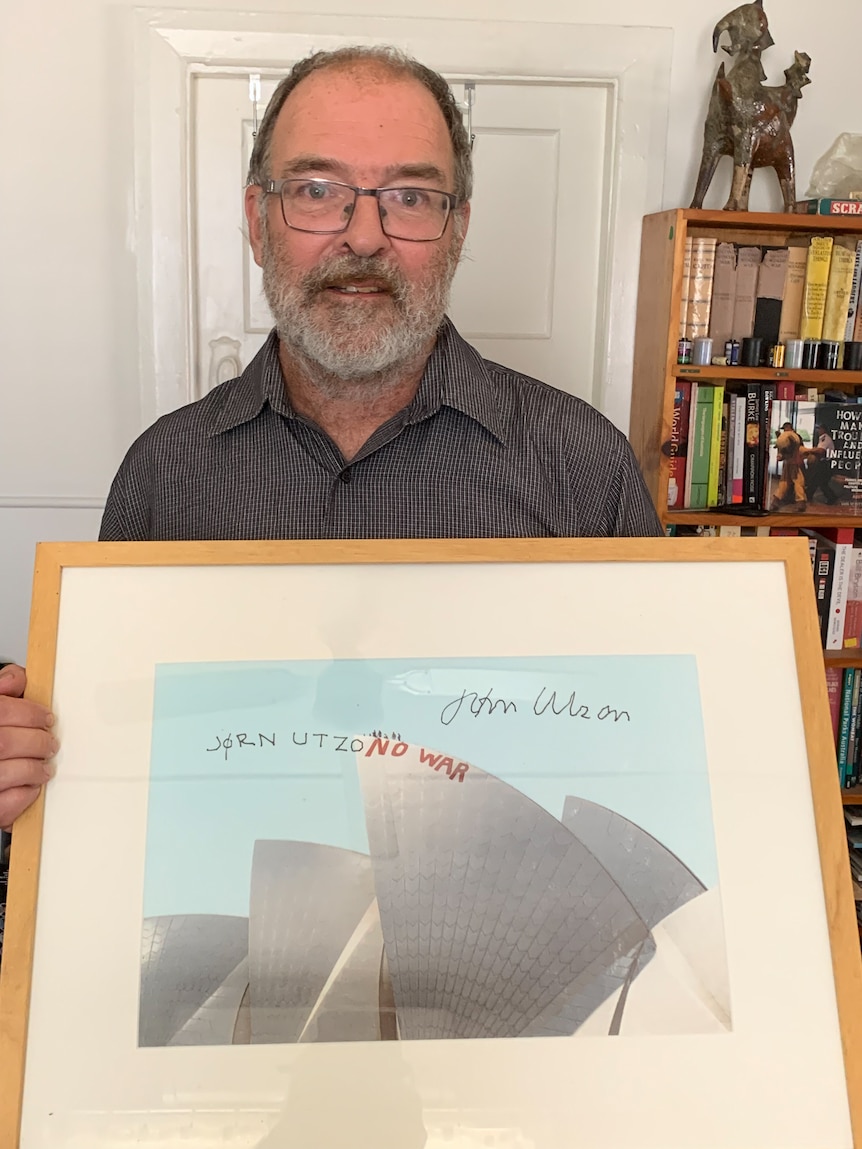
column 655, row 356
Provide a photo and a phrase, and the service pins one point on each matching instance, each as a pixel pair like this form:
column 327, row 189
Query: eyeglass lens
column 323, row 206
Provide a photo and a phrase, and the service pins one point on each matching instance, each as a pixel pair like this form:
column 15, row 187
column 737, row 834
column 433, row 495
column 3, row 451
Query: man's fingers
column 12, row 681
column 14, row 802
column 26, row 742
column 20, row 712
column 24, row 772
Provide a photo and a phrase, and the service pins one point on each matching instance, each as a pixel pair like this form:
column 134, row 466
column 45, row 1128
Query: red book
column 678, row 446
column 834, row 679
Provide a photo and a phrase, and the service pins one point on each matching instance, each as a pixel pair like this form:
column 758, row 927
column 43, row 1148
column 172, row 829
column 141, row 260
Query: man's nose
column 365, row 235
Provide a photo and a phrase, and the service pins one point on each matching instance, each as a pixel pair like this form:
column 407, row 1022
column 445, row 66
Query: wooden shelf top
column 764, row 374
column 765, row 220
column 852, row 797
column 844, row 658
column 812, row 521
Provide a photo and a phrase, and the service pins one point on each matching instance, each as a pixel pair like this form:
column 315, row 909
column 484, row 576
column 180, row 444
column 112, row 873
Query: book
column 723, row 492
column 770, row 295
column 838, row 288
column 823, row 475
column 843, row 741
column 700, row 287
column 843, row 538
column 853, row 611
column 723, row 296
column 853, row 303
column 814, row 291
column 745, row 298
column 822, row 568
column 834, row 683
column 851, row 770
column 712, row 482
column 699, row 446
column 791, row 303
column 829, row 206
column 767, row 398
column 738, row 451
column 751, row 446
column 678, row 448
column 684, row 290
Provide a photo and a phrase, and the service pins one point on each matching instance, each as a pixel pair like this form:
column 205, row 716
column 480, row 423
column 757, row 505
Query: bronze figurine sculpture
column 747, row 119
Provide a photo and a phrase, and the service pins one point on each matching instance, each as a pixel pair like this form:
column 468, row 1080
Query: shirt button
column 345, row 475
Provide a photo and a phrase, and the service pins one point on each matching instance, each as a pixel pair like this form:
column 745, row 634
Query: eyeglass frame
column 274, row 187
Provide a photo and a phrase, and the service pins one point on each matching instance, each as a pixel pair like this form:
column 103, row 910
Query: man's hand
column 26, row 745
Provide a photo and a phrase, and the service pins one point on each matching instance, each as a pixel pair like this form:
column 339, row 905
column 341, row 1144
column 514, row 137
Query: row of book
column 772, row 446
column 809, row 290
column 836, row 566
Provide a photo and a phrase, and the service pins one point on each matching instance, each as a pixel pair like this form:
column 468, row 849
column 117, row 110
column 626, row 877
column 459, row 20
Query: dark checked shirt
column 480, row 452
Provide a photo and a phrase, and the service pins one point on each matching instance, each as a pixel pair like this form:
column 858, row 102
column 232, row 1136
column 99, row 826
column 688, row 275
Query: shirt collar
column 455, row 376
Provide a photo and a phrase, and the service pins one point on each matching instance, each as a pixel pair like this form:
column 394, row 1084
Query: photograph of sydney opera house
column 450, row 874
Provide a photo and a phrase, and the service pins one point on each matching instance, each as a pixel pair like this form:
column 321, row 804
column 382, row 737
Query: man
column 365, row 415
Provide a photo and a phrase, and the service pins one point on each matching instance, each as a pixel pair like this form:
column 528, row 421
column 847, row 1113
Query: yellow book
column 814, row 292
column 838, row 292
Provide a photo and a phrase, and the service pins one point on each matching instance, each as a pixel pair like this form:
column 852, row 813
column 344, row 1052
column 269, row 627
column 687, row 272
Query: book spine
column 686, row 288
column 791, row 303
column 767, row 398
column 824, row 566
column 855, row 292
column 814, row 291
column 838, row 290
column 829, row 206
column 737, row 494
column 840, row 585
column 723, row 452
column 745, row 300
column 700, row 293
column 751, row 453
column 699, row 450
column 678, row 444
column 851, row 773
column 834, row 682
column 723, row 296
column 844, row 724
column 853, row 615
column 715, row 445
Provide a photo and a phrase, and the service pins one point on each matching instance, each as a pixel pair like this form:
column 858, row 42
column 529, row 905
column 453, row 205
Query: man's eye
column 411, row 197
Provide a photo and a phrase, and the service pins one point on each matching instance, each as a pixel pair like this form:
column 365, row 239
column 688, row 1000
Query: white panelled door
column 528, row 292
column 570, row 124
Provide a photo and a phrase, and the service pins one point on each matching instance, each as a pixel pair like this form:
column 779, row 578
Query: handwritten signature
column 546, row 702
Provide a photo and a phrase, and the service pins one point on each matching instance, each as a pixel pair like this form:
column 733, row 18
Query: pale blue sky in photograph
column 627, row 733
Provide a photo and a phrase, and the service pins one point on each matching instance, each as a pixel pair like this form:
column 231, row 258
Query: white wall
column 68, row 375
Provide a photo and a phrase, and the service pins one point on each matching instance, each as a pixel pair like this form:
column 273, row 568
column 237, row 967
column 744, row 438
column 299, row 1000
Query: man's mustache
column 344, row 270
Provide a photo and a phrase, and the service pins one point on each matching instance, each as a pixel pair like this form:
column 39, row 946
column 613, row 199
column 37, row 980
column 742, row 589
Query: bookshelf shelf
column 715, row 519
column 786, row 223
column 829, row 378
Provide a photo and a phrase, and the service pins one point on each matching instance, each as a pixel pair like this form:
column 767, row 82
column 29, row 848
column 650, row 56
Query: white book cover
column 838, row 597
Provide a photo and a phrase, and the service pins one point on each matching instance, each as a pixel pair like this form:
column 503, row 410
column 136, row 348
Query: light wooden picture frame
column 691, row 740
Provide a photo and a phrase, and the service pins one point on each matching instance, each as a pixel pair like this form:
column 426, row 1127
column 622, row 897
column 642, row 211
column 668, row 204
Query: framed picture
column 416, row 844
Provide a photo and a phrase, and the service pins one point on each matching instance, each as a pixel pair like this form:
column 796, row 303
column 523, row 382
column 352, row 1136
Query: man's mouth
column 359, row 288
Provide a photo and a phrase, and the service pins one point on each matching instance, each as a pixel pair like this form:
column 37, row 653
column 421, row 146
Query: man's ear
column 255, row 203
column 464, row 212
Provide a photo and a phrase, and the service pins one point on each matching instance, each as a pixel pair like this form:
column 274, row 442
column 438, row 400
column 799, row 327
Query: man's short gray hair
column 401, row 66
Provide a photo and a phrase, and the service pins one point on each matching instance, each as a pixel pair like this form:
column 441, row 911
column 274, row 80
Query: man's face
column 358, row 304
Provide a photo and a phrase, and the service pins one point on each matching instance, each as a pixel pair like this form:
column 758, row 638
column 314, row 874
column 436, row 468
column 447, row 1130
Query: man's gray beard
column 360, row 355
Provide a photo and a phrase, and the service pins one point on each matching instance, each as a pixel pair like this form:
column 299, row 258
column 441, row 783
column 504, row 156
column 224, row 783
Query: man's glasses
column 326, row 207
